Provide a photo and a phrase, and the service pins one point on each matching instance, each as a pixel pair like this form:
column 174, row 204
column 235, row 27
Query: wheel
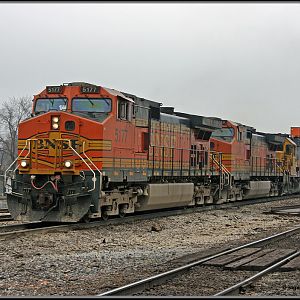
column 122, row 210
column 104, row 216
column 85, row 219
column 122, row 213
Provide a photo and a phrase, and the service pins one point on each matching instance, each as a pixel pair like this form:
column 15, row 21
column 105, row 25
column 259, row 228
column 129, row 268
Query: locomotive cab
column 233, row 140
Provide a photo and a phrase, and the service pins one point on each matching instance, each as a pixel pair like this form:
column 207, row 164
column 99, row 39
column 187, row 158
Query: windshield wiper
column 91, row 102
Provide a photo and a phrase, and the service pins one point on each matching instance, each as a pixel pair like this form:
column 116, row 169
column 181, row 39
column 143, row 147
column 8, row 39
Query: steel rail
column 284, row 207
column 235, row 289
column 23, row 229
column 143, row 284
column 13, row 227
column 145, row 215
column 6, row 217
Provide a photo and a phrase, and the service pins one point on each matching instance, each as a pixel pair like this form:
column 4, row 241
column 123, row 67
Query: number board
column 90, row 89
column 54, row 89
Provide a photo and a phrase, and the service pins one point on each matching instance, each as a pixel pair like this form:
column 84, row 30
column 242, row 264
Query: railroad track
column 17, row 230
column 229, row 255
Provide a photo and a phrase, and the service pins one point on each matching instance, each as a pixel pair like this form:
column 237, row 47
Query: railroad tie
column 231, row 257
column 267, row 259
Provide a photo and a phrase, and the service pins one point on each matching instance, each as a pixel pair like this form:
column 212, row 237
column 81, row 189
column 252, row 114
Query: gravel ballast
column 90, row 261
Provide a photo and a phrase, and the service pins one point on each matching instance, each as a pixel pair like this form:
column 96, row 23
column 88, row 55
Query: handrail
column 94, row 179
column 13, row 163
column 29, row 151
column 83, row 151
column 223, row 169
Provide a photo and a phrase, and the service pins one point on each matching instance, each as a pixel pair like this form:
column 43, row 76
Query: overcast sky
column 237, row 61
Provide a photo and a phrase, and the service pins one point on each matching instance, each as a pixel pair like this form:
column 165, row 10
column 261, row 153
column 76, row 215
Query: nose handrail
column 83, row 151
column 14, row 162
column 94, row 179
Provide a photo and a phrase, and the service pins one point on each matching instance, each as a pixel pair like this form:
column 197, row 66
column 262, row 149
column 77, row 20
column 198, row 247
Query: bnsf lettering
column 46, row 144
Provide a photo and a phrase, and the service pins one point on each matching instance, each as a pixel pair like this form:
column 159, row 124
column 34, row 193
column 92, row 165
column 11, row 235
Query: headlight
column 68, row 164
column 24, row 163
column 55, row 122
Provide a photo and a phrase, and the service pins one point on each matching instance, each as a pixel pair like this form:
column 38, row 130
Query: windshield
column 44, row 105
column 224, row 133
column 96, row 105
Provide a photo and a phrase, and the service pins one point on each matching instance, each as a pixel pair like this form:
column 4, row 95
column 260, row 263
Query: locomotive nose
column 61, row 141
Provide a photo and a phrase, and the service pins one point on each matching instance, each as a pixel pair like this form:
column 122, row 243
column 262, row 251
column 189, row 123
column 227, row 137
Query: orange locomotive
column 260, row 164
column 89, row 152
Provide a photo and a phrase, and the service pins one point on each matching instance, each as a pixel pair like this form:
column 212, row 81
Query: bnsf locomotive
column 92, row 152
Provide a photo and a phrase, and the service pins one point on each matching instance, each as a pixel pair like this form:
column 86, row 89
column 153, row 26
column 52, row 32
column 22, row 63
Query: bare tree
column 12, row 112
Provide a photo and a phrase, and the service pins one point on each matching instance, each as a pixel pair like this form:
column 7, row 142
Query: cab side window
column 289, row 149
column 124, row 110
column 239, row 135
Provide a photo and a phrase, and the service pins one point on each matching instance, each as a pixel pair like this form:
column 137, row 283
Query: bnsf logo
column 48, row 144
